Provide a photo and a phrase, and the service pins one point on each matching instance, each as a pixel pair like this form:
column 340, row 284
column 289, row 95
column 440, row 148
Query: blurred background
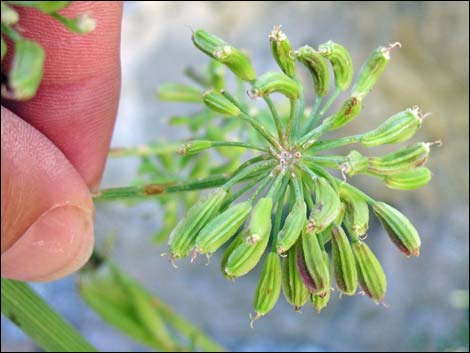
column 427, row 296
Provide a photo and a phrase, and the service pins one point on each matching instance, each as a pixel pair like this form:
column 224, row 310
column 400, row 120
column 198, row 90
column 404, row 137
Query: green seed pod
column 398, row 128
column 275, row 82
column 410, row 180
column 372, row 69
column 294, row 289
column 293, row 226
column 327, row 206
column 256, row 238
column 194, row 146
column 221, row 228
column 218, row 103
column 238, row 240
column 26, row 72
column 269, row 286
column 238, row 62
column 282, row 51
column 183, row 236
column 173, row 92
column 317, row 276
column 355, row 163
column 349, row 110
column 341, row 62
column 318, row 67
column 207, row 42
column 343, row 262
column 370, row 273
column 356, row 211
column 320, row 301
column 399, row 228
column 400, row 161
column 217, row 74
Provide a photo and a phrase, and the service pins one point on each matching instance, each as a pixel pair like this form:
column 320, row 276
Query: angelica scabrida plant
column 284, row 201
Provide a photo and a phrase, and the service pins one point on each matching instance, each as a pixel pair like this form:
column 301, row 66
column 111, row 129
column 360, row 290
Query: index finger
column 76, row 104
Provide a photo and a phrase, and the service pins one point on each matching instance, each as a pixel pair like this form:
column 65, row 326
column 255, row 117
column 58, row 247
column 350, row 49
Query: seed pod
column 275, row 82
column 320, row 301
column 238, row 240
column 194, row 146
column 370, row 273
column 349, row 110
column 400, row 161
column 343, row 262
column 217, row 74
column 222, row 227
column 410, row 180
column 311, row 264
column 293, row 226
column 269, row 286
column 256, row 238
column 26, row 72
column 355, row 163
column 341, row 62
column 399, row 228
column 183, row 236
column 172, row 92
column 318, row 67
column 372, row 69
column 207, row 42
column 356, row 212
column 282, row 51
column 218, row 103
column 398, row 128
column 294, row 289
column 327, row 206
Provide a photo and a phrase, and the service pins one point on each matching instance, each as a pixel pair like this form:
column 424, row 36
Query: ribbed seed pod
column 341, row 62
column 222, row 227
column 294, row 289
column 320, row 301
column 370, row 273
column 194, row 146
column 318, row 67
column 400, row 161
column 348, row 111
column 311, row 264
column 238, row 62
column 343, row 262
column 282, row 51
column 207, row 42
column 256, row 238
column 371, row 70
column 275, row 82
column 356, row 211
column 398, row 128
column 218, row 103
column 293, row 226
column 183, row 236
column 410, row 180
column 237, row 240
column 269, row 285
column 355, row 163
column 399, row 228
column 327, row 206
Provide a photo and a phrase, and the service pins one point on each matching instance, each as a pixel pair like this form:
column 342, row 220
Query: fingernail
column 58, row 243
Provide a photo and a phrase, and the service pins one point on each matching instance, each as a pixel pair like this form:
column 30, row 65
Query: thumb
column 46, row 208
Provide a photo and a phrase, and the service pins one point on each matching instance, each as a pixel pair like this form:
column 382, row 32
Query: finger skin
column 46, row 207
column 76, row 104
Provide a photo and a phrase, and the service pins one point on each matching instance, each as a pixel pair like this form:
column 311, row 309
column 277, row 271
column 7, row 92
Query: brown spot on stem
column 153, row 189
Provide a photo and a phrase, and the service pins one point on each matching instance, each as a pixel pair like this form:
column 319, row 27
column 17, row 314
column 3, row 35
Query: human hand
column 54, row 146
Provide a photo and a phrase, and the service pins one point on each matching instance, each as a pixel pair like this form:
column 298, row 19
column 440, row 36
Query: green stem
column 294, row 107
column 238, row 144
column 261, row 187
column 326, row 161
column 277, row 222
column 277, row 120
column 329, row 102
column 249, row 162
column 39, row 321
column 356, row 191
column 262, row 131
column 10, row 32
column 248, row 172
column 312, row 136
column 242, row 190
column 197, row 77
column 308, row 194
column 313, row 118
column 299, row 112
column 330, row 144
column 143, row 150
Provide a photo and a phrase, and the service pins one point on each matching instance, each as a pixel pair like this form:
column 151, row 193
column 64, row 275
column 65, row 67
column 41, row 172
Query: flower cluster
column 289, row 176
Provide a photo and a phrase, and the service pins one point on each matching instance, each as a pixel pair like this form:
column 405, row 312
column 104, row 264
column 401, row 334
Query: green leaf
column 38, row 320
